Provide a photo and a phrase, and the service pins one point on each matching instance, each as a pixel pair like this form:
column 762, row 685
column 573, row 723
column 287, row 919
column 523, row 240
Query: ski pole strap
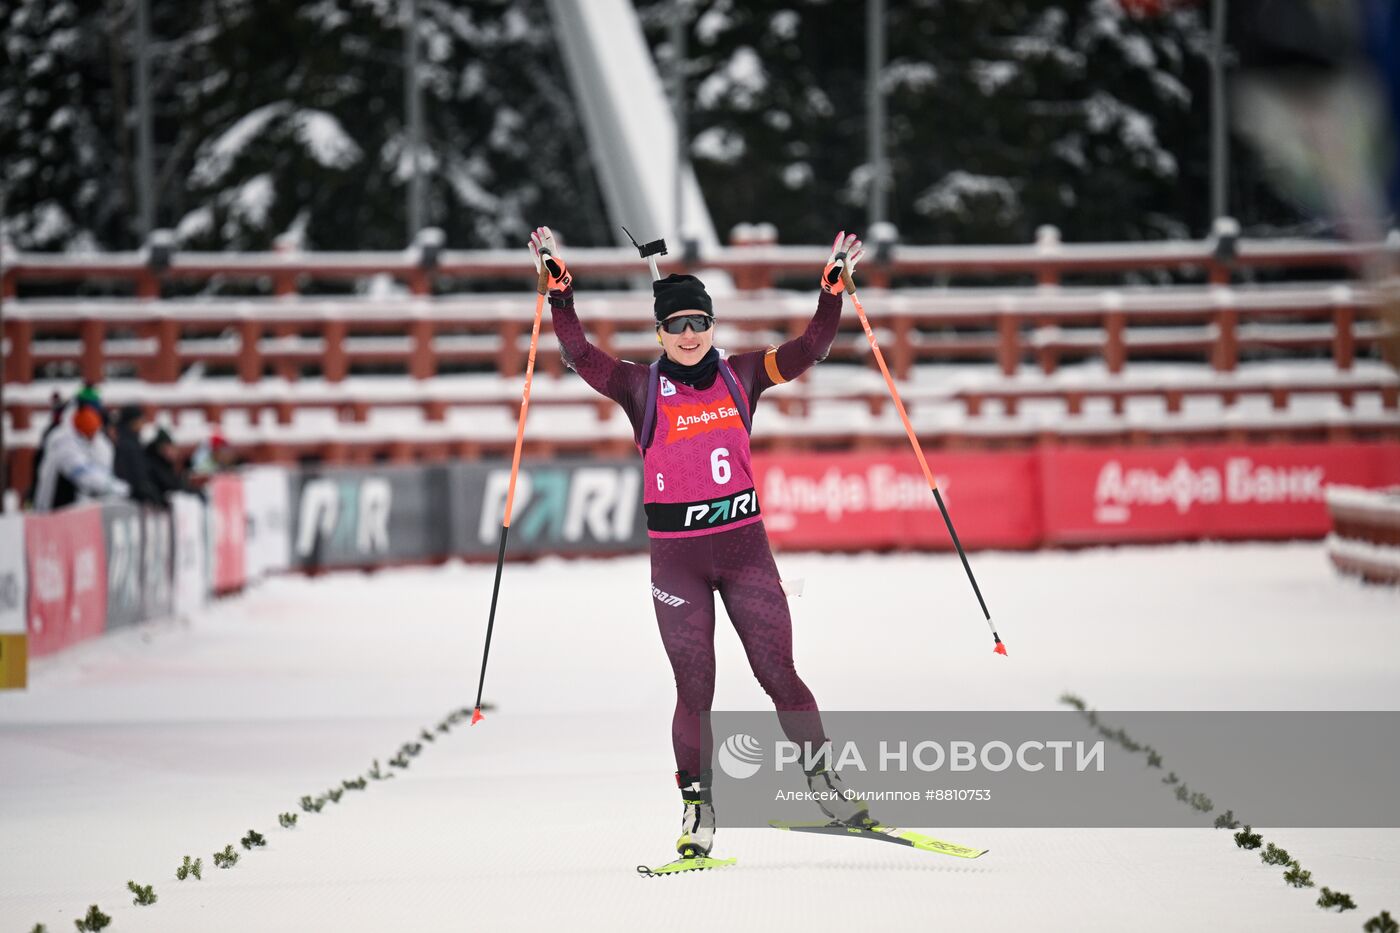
column 727, row 374
column 649, row 412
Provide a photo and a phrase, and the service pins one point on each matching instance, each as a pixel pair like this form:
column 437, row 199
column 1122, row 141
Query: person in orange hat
column 77, row 458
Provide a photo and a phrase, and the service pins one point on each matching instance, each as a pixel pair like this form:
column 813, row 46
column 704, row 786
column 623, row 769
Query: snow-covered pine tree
column 1001, row 117
column 313, row 140
column 289, row 117
column 63, row 182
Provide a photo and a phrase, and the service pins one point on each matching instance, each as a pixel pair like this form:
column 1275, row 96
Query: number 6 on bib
column 719, row 467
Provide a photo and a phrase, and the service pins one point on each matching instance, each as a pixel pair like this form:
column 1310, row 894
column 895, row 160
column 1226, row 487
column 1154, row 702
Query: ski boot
column 836, row 800
column 698, row 820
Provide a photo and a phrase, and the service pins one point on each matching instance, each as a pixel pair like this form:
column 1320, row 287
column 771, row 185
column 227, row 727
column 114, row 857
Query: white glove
column 845, row 253
column 553, row 274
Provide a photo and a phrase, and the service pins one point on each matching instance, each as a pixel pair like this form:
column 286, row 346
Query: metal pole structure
column 413, row 104
column 145, row 183
column 1219, row 140
column 875, row 110
column 680, row 27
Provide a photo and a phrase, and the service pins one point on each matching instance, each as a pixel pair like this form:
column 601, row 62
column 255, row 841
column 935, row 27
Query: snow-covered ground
column 129, row 752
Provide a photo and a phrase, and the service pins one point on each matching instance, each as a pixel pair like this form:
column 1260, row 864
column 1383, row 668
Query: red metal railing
column 1044, row 322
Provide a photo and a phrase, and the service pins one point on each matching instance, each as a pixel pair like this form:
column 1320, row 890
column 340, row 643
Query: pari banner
column 123, row 534
column 1176, row 493
column 1058, row 769
column 565, row 507
column 846, row 501
column 364, row 517
column 139, row 547
column 157, row 564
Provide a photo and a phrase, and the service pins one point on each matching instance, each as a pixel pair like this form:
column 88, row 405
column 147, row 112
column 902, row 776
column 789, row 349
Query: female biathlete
column 691, row 411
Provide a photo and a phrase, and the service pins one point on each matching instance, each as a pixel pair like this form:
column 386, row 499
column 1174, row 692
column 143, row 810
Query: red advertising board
column 1063, row 495
column 853, row 500
column 67, row 568
column 229, row 526
column 1219, row 491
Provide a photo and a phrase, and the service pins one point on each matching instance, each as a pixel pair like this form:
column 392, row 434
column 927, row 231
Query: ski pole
column 510, row 500
column 918, row 452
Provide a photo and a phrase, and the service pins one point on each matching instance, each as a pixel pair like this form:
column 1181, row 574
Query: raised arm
column 620, row 380
column 617, row 379
column 761, row 369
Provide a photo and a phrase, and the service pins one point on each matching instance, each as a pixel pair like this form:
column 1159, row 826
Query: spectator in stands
column 130, row 463
column 213, row 455
column 166, row 472
column 77, row 458
column 55, row 419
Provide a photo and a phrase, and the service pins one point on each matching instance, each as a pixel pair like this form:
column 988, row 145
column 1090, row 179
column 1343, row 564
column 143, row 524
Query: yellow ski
column 699, row 863
column 885, row 833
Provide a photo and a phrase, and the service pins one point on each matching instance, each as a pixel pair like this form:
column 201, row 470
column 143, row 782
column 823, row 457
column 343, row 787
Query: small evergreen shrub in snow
column 95, row 920
column 227, row 858
column 1247, row 839
column 145, row 895
column 1297, row 876
column 1382, row 923
column 1330, row 899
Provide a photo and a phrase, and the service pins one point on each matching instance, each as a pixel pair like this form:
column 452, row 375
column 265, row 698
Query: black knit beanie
column 679, row 292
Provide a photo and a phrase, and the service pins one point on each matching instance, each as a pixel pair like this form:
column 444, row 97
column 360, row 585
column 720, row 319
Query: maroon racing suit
column 736, row 561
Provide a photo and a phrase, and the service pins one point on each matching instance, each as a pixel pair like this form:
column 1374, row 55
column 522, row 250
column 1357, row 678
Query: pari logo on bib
column 699, row 418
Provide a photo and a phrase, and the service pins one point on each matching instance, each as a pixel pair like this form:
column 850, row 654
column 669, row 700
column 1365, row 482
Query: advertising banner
column 67, row 578
column 1218, row 491
column 227, row 526
column 191, row 559
column 122, row 534
column 565, row 507
column 157, row 565
column 266, row 504
column 852, row 500
column 13, row 603
column 13, row 582
column 364, row 517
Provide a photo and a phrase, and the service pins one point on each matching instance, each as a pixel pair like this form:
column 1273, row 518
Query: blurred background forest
column 287, row 120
